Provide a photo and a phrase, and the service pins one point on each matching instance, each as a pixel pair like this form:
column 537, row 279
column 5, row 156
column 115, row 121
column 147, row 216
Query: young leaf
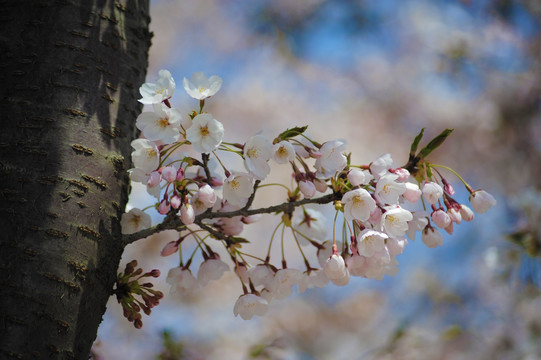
column 415, row 142
column 289, row 133
column 434, row 144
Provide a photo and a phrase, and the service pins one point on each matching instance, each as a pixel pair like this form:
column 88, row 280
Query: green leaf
column 289, row 133
column 415, row 142
column 434, row 144
column 238, row 240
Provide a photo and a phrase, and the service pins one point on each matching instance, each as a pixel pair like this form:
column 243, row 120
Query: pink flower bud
column 466, row 213
column 169, row 248
column 403, row 174
column 307, row 188
column 175, row 202
column 432, row 192
column 440, row 218
column 316, row 154
column 207, row 196
column 482, row 201
column 449, row 229
column 169, row 174
column 320, row 185
column 180, row 174
column 432, row 237
column 164, row 207
column 454, row 215
column 412, row 193
column 154, row 179
column 187, row 215
column 251, row 219
column 215, row 182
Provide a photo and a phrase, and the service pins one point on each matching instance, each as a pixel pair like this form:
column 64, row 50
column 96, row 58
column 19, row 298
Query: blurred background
column 373, row 73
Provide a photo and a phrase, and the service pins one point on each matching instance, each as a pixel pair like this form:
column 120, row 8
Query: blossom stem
column 271, row 240
column 468, row 187
column 275, row 184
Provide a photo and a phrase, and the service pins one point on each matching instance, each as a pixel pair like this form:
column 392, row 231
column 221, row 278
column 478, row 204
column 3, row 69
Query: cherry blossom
column 441, row 218
column 315, row 278
column 331, row 160
column 135, row 220
column 182, row 281
column 412, row 193
column 370, row 241
column 205, row 134
column 358, row 204
column 388, row 190
column 211, row 269
column 358, row 177
column 381, row 165
column 395, row 220
column 161, row 125
column 162, row 90
column 238, row 188
column 200, row 87
column 284, row 279
column 283, row 152
column 248, row 305
column 146, row 156
column 257, row 153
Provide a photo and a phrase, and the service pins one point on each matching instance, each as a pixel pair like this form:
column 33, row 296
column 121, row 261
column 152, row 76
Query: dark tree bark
column 70, row 72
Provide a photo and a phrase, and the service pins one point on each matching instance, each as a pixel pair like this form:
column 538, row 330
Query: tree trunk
column 70, row 71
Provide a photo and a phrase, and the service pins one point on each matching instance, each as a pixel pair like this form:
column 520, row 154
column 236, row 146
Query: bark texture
column 70, row 71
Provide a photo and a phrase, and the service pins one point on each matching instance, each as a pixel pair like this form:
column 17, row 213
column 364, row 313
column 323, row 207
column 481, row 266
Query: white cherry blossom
column 182, row 281
column 261, row 275
column 248, row 305
column 418, row 223
column 283, row 152
column 146, row 155
column 358, row 204
column 381, row 166
column 284, row 279
column 211, row 269
column 395, row 220
column 316, row 278
column 370, row 241
column 200, row 87
column 205, row 134
column 331, row 160
column 162, row 90
column 257, row 153
column 161, row 125
column 358, row 177
column 237, row 189
column 135, row 220
column 388, row 189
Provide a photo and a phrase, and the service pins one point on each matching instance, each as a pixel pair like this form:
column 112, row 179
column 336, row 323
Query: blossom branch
column 173, row 222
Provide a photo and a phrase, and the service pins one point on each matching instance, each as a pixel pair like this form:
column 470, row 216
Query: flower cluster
column 127, row 286
column 210, row 203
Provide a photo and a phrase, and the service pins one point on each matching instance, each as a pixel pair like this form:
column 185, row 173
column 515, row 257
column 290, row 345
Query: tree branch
column 173, row 222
